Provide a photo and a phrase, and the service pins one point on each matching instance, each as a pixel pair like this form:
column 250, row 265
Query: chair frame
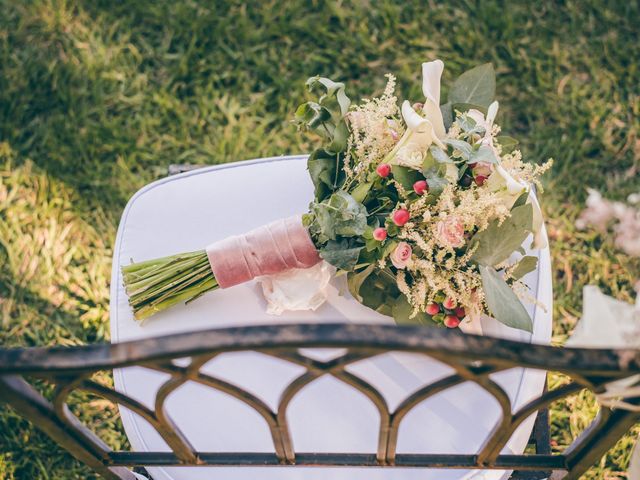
column 472, row 358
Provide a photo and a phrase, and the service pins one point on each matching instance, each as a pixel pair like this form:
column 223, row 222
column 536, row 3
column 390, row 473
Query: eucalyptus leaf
column 341, row 254
column 435, row 180
column 476, row 86
column 460, row 145
column 340, row 215
column 439, row 155
column 508, row 144
column 503, row 303
column 497, row 242
column 326, row 173
column 484, row 154
column 525, row 265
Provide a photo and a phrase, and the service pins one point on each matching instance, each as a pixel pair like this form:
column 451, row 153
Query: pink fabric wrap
column 273, row 248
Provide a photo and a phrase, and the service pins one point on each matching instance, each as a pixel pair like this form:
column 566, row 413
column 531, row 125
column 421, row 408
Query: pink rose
column 401, row 255
column 451, row 232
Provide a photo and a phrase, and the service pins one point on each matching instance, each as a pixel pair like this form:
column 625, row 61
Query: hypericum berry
column 451, row 321
column 380, row 234
column 480, row 179
column 432, row 309
column 400, row 217
column 384, row 169
column 420, row 187
column 466, row 181
column 460, row 313
column 449, row 303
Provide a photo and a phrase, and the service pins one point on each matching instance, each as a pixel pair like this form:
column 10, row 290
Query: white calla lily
column 419, row 136
column 514, row 187
column 431, row 75
column 492, row 111
column 539, row 236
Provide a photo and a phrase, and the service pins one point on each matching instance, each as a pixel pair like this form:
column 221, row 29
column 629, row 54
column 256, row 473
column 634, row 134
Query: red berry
column 384, row 169
column 480, row 179
column 460, row 313
column 380, row 234
column 451, row 321
column 400, row 217
column 432, row 308
column 472, row 165
column 449, row 304
column 420, row 187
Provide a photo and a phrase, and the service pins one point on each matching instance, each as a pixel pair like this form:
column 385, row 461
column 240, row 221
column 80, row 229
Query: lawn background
column 98, row 97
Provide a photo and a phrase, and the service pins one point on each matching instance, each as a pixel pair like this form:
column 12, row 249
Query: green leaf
column 503, row 303
column 447, row 114
column 341, row 254
column 484, row 154
column 355, row 280
column 498, row 242
column 405, row 176
column 476, row 86
column 460, row 145
column 326, row 173
column 328, row 89
column 379, row 291
column 508, row 144
column 312, row 115
column 435, row 181
column 340, row 215
column 339, row 138
column 439, row 155
column 525, row 265
column 360, row 192
column 402, row 310
column 521, row 200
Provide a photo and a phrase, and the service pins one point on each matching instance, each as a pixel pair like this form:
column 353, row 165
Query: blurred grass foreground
column 97, row 98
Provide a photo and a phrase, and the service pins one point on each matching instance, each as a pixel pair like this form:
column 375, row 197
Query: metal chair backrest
column 472, row 358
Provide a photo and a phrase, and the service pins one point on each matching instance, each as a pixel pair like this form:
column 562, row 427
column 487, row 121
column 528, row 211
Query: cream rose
column 450, row 232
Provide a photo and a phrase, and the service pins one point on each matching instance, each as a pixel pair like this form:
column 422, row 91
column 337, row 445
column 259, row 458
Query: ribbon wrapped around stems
column 266, row 250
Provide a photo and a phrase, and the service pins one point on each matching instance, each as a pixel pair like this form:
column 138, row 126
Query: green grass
column 98, row 97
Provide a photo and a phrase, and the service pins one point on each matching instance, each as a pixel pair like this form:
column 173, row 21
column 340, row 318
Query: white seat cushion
column 188, row 211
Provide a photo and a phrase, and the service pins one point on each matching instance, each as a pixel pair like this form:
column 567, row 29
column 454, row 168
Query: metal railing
column 472, row 358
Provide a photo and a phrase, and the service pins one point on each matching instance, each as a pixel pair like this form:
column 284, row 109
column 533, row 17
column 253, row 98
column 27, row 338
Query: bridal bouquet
column 424, row 207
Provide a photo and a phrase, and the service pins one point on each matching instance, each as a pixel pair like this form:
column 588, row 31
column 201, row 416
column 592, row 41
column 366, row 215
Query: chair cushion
column 188, row 211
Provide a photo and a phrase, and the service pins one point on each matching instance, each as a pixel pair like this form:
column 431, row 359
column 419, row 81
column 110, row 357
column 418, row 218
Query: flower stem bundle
column 158, row 284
